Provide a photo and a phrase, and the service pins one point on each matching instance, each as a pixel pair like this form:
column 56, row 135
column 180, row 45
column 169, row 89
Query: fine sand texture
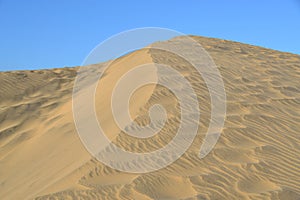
column 256, row 157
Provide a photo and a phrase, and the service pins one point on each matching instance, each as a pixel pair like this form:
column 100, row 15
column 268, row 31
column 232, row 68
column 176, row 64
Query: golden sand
column 256, row 157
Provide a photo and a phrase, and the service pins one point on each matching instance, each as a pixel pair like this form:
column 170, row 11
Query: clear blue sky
column 57, row 33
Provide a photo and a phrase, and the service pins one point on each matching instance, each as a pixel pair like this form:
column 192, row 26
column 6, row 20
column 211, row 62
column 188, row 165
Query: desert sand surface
column 256, row 157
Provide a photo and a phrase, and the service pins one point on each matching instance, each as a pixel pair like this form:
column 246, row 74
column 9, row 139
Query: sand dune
column 256, row 157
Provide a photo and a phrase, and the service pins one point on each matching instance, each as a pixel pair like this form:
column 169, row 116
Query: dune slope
column 256, row 157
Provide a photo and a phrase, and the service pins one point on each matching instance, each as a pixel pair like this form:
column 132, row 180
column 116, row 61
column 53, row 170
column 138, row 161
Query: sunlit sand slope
column 256, row 157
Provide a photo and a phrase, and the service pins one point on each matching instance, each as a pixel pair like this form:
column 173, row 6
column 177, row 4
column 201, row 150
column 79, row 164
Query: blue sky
column 58, row 33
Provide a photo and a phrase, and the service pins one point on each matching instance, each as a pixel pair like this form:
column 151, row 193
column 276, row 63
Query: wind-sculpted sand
column 256, row 157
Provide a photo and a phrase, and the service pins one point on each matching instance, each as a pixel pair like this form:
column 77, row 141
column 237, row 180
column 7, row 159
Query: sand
column 256, row 157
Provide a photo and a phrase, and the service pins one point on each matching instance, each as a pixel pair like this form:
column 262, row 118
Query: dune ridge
column 256, row 157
